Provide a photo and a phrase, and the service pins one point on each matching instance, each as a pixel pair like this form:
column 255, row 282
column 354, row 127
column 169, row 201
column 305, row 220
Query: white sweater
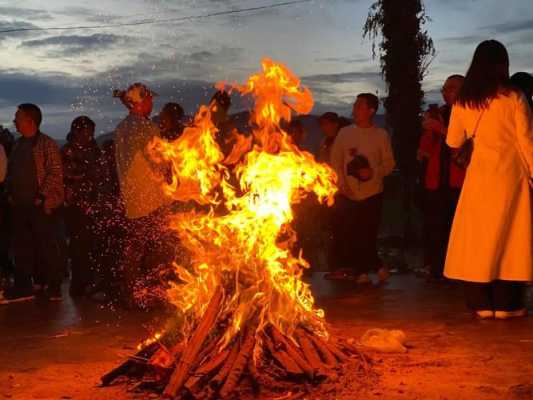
column 373, row 143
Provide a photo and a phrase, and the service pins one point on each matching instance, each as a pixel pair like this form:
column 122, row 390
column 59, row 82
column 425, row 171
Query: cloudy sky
column 69, row 72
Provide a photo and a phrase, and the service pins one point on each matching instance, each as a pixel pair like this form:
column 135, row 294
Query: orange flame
column 243, row 247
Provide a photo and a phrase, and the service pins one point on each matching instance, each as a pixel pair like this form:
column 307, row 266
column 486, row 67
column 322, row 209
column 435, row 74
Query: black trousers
column 355, row 232
column 439, row 211
column 80, row 250
column 36, row 248
column 497, row 295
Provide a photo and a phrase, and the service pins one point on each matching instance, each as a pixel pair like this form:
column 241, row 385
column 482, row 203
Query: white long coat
column 492, row 235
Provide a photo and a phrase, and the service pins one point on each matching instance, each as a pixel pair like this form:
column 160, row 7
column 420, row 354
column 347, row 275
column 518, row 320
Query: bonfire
column 248, row 321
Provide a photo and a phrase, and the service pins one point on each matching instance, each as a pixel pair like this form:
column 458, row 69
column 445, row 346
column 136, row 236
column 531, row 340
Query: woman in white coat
column 491, row 243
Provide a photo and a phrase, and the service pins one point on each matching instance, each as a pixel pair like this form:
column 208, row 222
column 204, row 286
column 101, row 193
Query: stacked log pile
column 257, row 361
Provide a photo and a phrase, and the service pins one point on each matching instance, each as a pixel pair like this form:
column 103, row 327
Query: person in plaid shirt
column 35, row 191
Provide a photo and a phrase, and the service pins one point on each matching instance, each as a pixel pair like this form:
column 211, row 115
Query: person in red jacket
column 443, row 179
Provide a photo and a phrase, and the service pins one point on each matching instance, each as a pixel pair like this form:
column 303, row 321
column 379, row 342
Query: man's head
column 82, row 130
column 365, row 107
column 139, row 99
column 451, row 88
column 170, row 116
column 28, row 119
column 329, row 124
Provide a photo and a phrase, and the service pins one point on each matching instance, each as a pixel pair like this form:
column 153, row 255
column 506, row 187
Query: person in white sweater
column 362, row 156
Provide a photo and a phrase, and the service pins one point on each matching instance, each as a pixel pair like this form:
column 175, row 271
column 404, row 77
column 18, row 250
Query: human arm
column 51, row 189
column 456, row 135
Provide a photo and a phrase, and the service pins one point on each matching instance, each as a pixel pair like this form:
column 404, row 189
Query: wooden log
column 206, row 369
column 240, row 363
column 282, row 357
column 293, row 352
column 213, row 364
column 216, row 382
column 310, row 353
column 130, row 363
column 326, row 355
column 190, row 353
column 332, row 347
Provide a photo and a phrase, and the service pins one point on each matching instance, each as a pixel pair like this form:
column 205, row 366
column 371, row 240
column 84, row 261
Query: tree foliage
column 405, row 50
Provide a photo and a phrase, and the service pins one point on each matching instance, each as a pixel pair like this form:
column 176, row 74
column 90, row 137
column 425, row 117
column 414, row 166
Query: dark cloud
column 342, row 77
column 510, row 27
column 464, row 40
column 75, row 44
column 24, row 13
column 9, row 25
column 347, row 60
column 50, row 89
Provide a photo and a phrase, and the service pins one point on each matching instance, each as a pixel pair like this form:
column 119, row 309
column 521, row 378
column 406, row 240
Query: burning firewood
column 249, row 325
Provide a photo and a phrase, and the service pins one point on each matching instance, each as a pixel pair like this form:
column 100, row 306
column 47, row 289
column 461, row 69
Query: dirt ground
column 59, row 351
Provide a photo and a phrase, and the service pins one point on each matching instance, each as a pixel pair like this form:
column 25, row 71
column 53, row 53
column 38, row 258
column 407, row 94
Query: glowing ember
column 242, row 306
column 243, row 247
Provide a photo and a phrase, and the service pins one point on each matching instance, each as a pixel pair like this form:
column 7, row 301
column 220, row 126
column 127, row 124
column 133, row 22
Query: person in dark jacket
column 170, row 121
column 35, row 190
column 81, row 175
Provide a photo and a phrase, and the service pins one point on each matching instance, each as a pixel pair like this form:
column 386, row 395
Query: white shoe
column 363, row 279
column 383, row 274
column 511, row 314
column 485, row 314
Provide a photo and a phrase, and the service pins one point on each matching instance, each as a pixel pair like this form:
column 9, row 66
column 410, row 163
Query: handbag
column 464, row 155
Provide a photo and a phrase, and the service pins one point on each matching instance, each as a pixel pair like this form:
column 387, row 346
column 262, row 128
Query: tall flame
column 244, row 241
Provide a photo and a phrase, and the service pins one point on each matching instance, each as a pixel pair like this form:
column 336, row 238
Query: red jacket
column 430, row 148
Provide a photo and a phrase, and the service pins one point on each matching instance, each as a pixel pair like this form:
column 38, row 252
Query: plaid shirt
column 49, row 169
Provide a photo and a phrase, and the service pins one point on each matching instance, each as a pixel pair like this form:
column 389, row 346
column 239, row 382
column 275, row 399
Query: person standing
column 35, row 190
column 524, row 82
column 330, row 124
column 491, row 243
column 171, row 121
column 141, row 183
column 362, row 157
column 81, row 156
column 443, row 178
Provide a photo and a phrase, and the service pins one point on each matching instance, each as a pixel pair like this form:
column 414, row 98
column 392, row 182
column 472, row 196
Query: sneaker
column 511, row 314
column 383, row 274
column 363, row 279
column 16, row 296
column 485, row 314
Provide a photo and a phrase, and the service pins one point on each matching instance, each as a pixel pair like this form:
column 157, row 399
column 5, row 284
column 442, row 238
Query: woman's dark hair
column 78, row 124
column 524, row 82
column 487, row 76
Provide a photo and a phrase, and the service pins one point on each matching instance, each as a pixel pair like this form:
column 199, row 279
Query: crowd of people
column 476, row 165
